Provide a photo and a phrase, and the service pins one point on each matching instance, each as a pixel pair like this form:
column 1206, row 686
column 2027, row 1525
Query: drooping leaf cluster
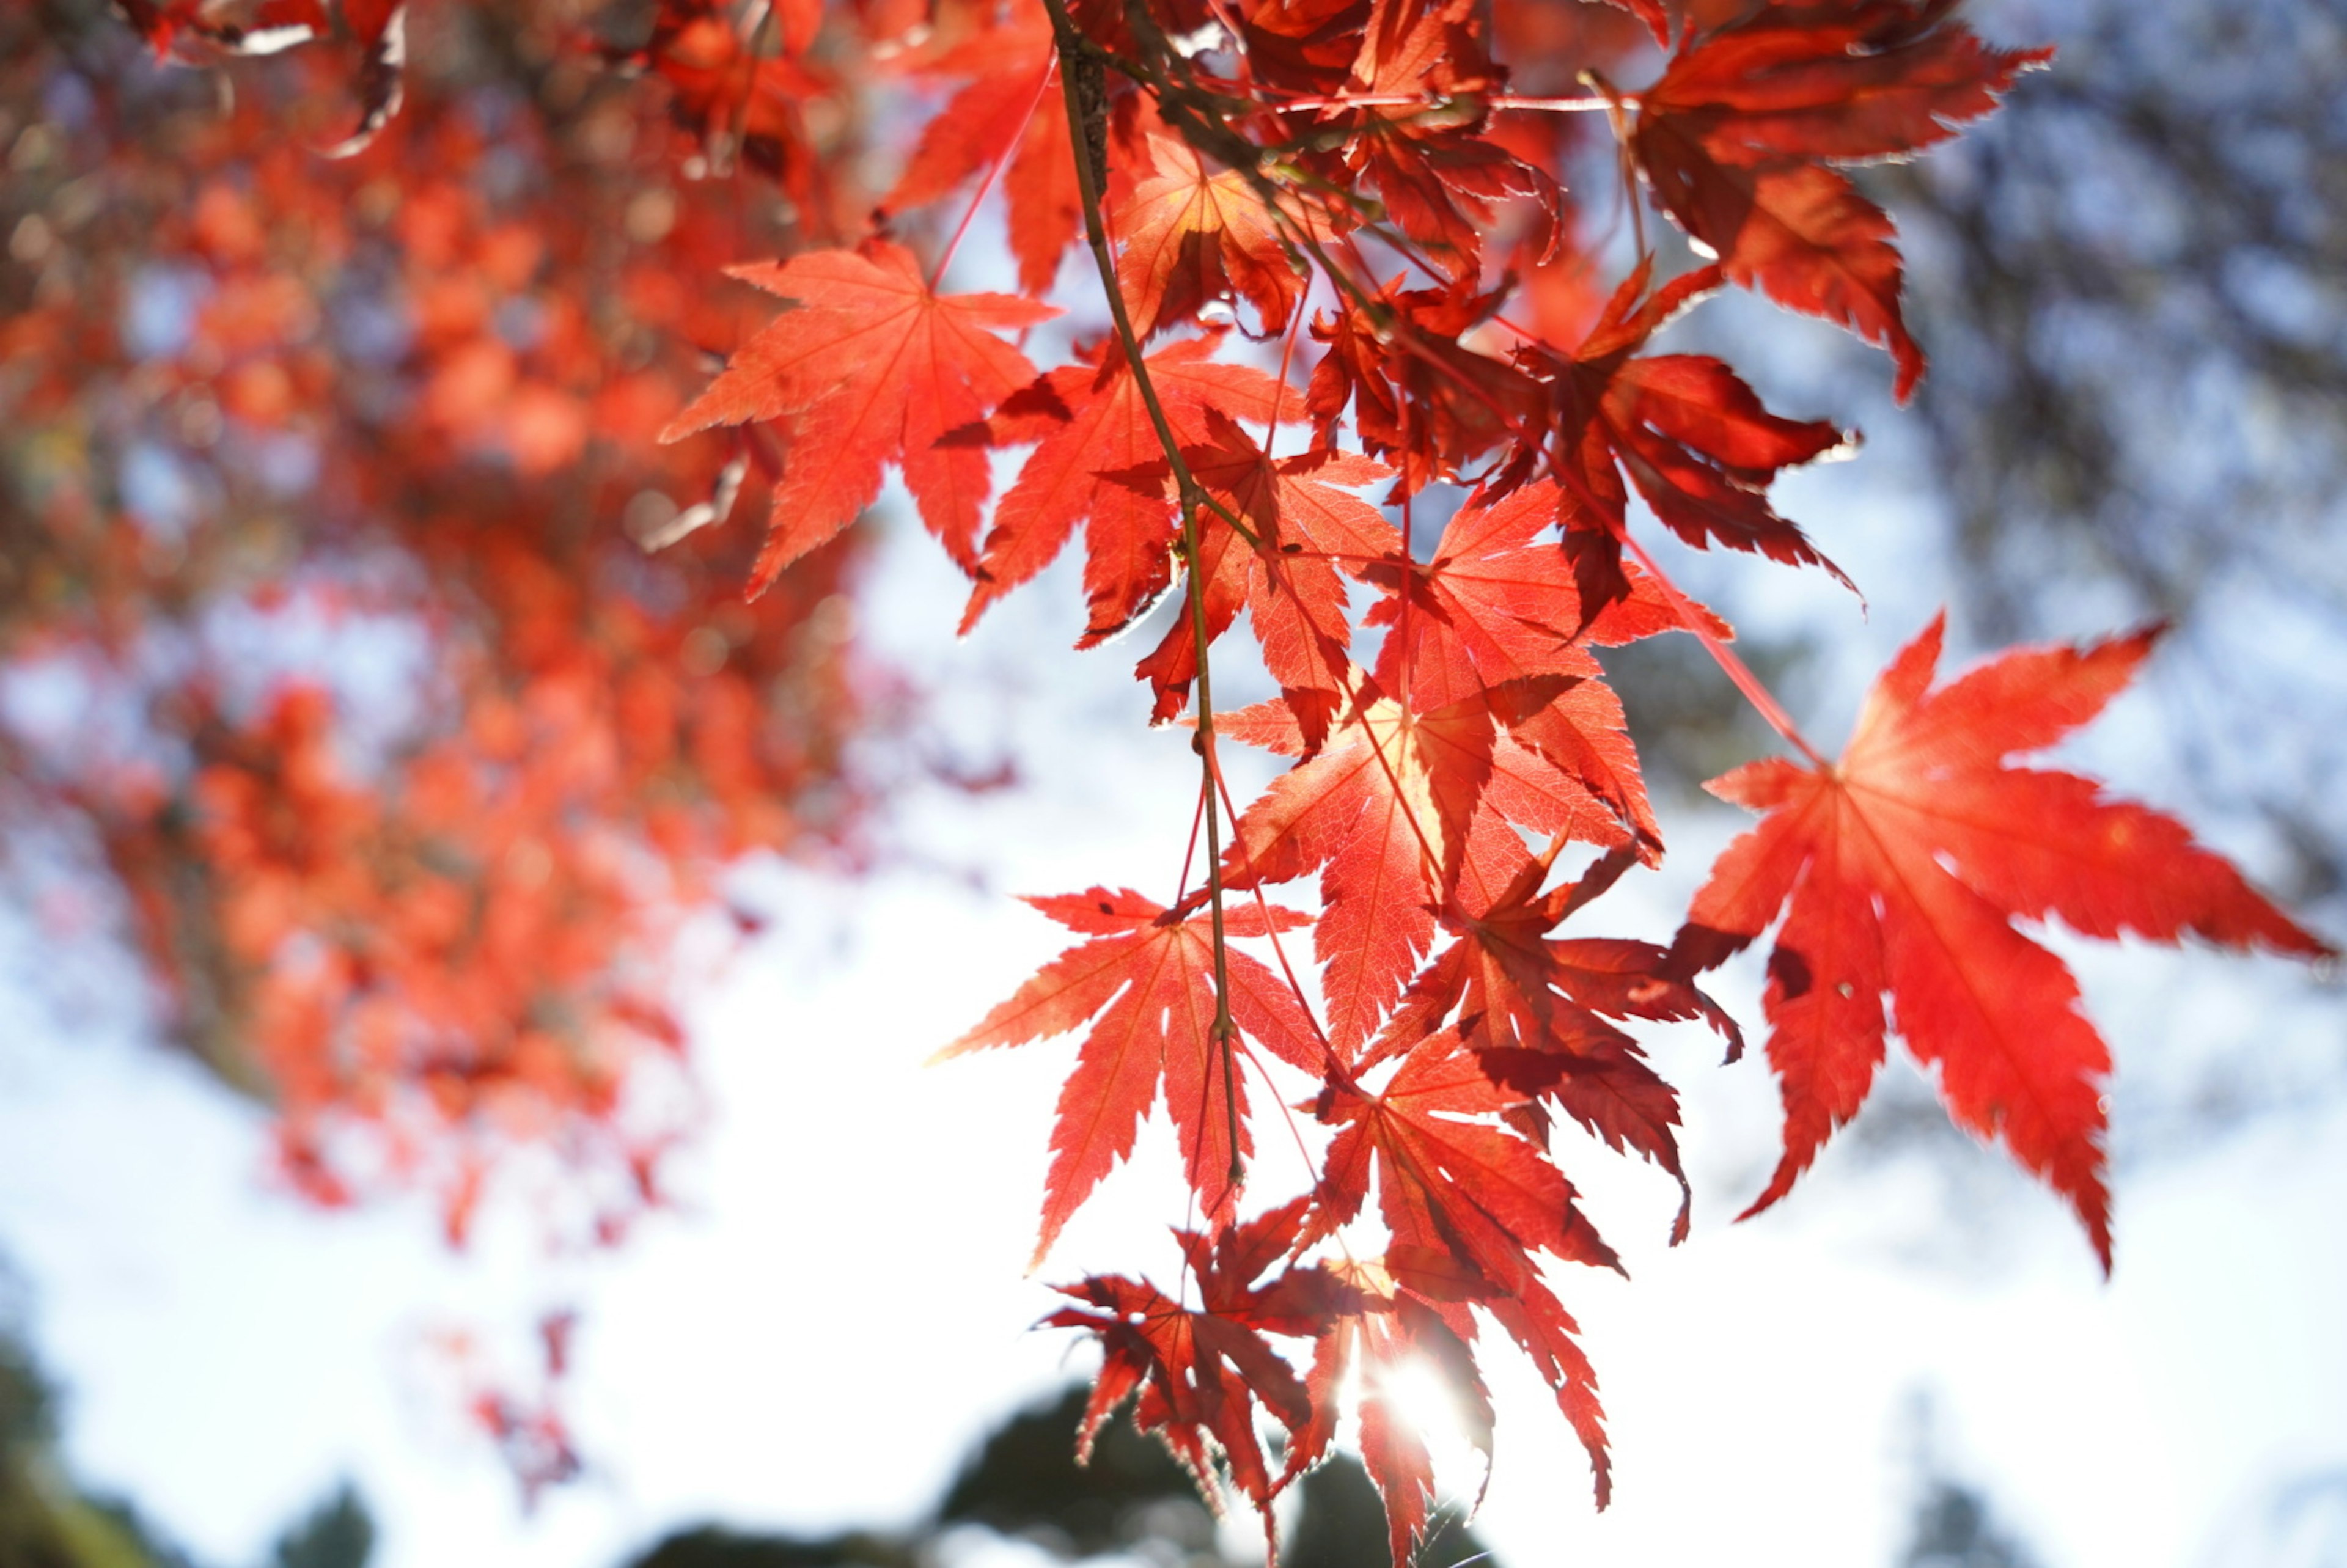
column 1349, row 256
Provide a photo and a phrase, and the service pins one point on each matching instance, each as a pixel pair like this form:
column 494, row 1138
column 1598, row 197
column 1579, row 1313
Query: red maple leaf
column 1384, row 811
column 1394, row 1332
column 1190, row 236
column 1736, row 134
column 1095, row 436
column 1008, row 110
column 1305, row 45
column 1530, row 1005
column 1201, row 1371
column 726, row 88
column 378, row 27
column 1906, row 863
column 256, row 27
column 1689, row 433
column 1469, row 1202
column 1493, row 603
column 1146, row 984
column 1419, row 399
column 1308, row 531
column 1365, row 809
column 1654, row 14
column 871, row 368
column 1439, row 183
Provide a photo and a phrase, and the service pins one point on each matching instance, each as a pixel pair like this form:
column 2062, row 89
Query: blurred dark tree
column 713, row 1546
column 1689, row 722
column 1024, row 1482
column 1953, row 1523
column 48, row 1520
column 338, row 1533
column 1343, row 1525
column 1953, row 1529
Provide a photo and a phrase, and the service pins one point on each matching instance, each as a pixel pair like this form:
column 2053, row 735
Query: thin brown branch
column 1079, row 65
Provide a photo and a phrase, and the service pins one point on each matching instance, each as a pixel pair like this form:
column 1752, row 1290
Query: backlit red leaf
column 1201, row 1372
column 1190, row 236
column 1685, row 431
column 1309, row 527
column 871, row 368
column 1094, row 435
column 1905, row 865
column 1469, row 1203
column 1736, row 135
column 1145, row 983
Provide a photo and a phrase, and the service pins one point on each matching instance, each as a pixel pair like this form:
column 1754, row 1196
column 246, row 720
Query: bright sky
column 836, row 1311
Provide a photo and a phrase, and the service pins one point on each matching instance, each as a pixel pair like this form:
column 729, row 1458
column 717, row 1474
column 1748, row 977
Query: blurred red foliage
column 322, row 628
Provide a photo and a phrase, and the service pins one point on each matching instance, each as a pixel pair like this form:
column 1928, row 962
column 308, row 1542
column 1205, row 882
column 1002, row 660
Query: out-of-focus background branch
column 2134, row 283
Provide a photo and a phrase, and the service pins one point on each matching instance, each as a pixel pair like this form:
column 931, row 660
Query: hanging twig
column 1084, row 93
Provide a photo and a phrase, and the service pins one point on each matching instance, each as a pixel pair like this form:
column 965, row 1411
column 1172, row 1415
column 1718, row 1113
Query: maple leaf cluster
column 1359, row 185
column 1352, row 269
column 271, row 420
